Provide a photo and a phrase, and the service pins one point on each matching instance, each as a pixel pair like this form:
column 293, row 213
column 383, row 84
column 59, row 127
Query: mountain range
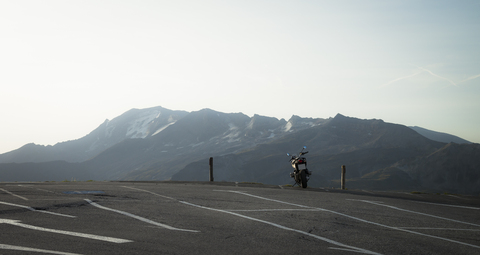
column 162, row 144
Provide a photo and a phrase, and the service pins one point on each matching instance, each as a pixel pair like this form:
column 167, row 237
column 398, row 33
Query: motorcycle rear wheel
column 303, row 178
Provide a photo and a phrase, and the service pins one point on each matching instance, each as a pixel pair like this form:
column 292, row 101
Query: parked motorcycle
column 301, row 174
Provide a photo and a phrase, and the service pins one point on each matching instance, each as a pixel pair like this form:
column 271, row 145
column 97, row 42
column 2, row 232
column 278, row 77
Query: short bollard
column 211, row 169
column 344, row 170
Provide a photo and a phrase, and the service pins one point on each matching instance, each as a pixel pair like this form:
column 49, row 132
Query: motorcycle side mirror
column 288, row 154
column 305, row 147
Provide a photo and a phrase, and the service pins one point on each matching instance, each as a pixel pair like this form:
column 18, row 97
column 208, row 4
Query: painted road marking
column 20, row 248
column 355, row 218
column 455, row 229
column 27, row 186
column 149, row 192
column 35, row 210
column 96, row 237
column 424, row 214
column 345, row 247
column 271, row 210
column 6, row 191
column 458, row 206
column 80, row 192
column 458, row 197
column 138, row 217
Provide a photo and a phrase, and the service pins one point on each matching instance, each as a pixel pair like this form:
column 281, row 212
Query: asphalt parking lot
column 235, row 218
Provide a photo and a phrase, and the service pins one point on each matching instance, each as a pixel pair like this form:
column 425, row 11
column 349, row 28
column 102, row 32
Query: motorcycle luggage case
column 301, row 166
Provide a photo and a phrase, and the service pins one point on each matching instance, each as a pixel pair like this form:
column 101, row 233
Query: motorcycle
column 301, row 174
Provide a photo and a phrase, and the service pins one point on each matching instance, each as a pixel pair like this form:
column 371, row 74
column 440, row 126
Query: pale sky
column 66, row 66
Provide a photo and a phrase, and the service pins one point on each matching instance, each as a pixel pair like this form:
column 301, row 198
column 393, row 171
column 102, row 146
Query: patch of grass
column 417, row 192
column 447, row 194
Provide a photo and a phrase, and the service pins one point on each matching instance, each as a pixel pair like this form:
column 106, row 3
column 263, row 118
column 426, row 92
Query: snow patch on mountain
column 250, row 124
column 196, row 144
column 232, row 137
column 232, row 126
column 232, row 134
column 139, row 127
column 108, row 129
column 164, row 127
column 288, row 126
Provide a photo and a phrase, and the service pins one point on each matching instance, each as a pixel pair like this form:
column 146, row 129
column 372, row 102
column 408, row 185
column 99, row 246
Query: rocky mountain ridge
column 147, row 123
column 134, row 123
column 200, row 134
column 161, row 144
column 378, row 155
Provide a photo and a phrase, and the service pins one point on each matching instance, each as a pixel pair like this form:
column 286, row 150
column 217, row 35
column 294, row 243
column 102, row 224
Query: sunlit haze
column 66, row 66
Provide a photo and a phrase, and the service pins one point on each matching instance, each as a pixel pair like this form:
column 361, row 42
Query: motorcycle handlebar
column 300, row 154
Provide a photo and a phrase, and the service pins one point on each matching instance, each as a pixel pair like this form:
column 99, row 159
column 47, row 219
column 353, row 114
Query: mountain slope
column 132, row 124
column 378, row 156
column 363, row 145
column 160, row 144
column 452, row 168
column 198, row 135
column 438, row 136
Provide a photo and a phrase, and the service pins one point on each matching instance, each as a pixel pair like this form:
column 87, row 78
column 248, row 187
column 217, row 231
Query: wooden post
column 211, row 169
column 344, row 170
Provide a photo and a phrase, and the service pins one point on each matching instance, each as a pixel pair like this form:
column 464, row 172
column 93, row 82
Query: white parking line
column 35, row 210
column 345, row 247
column 32, row 187
column 20, row 248
column 24, row 198
column 96, row 237
column 271, row 210
column 424, row 214
column 458, row 206
column 355, row 218
column 458, row 197
column 139, row 218
column 455, row 229
column 149, row 192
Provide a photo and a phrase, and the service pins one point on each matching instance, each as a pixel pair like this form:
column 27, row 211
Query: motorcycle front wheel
column 303, row 178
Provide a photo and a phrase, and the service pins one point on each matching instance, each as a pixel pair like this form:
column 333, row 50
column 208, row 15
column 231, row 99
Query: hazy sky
column 66, row 66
